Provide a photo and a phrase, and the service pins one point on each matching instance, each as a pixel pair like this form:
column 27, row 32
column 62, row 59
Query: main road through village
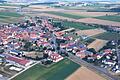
column 99, row 70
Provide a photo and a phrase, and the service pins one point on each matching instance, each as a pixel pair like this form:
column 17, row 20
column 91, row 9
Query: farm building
column 18, row 61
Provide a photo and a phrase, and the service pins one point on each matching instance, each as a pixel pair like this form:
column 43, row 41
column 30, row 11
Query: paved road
column 91, row 67
column 118, row 54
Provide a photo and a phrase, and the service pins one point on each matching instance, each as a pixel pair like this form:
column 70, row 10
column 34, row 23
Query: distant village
column 39, row 39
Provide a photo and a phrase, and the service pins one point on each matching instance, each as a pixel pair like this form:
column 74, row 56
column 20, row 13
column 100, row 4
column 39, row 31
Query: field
column 97, row 44
column 85, row 74
column 90, row 32
column 66, row 15
column 41, row 8
column 90, row 14
column 10, row 14
column 110, row 18
column 10, row 17
column 58, row 71
column 108, row 36
column 77, row 25
column 99, row 21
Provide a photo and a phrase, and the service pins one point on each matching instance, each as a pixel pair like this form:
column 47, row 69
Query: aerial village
column 39, row 40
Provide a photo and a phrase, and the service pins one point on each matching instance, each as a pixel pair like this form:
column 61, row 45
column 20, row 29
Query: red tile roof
column 18, row 60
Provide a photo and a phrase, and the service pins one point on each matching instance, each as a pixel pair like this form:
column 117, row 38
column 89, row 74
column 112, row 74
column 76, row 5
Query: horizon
column 56, row 0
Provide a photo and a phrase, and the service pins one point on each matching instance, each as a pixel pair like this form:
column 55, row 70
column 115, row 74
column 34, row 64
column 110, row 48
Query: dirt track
column 85, row 74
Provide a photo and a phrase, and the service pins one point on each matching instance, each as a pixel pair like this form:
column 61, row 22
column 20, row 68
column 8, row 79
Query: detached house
column 55, row 57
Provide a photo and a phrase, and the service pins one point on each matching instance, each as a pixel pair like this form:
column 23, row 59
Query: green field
column 58, row 71
column 10, row 17
column 77, row 25
column 66, row 15
column 110, row 18
column 108, row 36
column 10, row 14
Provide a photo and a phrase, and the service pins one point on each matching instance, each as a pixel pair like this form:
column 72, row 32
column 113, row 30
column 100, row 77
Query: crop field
column 77, row 25
column 97, row 44
column 10, row 14
column 108, row 36
column 99, row 21
column 110, row 18
column 90, row 14
column 58, row 71
column 66, row 15
column 84, row 73
column 90, row 32
column 10, row 17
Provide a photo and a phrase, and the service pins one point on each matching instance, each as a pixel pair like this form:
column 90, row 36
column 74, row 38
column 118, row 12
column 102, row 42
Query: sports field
column 77, row 25
column 67, row 15
column 58, row 71
column 110, row 18
column 108, row 36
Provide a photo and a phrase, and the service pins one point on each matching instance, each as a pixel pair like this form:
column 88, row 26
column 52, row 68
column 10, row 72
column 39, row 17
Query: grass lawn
column 58, row 71
column 66, row 15
column 110, row 18
column 77, row 25
column 108, row 36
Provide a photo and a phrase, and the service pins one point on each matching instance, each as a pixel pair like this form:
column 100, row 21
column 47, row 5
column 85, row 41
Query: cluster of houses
column 39, row 35
column 14, row 40
column 108, row 58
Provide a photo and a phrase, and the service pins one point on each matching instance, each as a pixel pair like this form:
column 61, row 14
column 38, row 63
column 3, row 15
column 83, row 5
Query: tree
column 28, row 45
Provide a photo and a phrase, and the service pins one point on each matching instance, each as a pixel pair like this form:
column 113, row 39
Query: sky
column 63, row 0
column 79, row 0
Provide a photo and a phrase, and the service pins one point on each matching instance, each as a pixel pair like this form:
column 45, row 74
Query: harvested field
column 98, row 21
column 42, row 8
column 97, row 44
column 90, row 32
column 91, row 14
column 85, row 74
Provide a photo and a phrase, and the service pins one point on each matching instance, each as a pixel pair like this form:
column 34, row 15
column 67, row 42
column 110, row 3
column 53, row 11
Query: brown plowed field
column 85, row 74
column 98, row 21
